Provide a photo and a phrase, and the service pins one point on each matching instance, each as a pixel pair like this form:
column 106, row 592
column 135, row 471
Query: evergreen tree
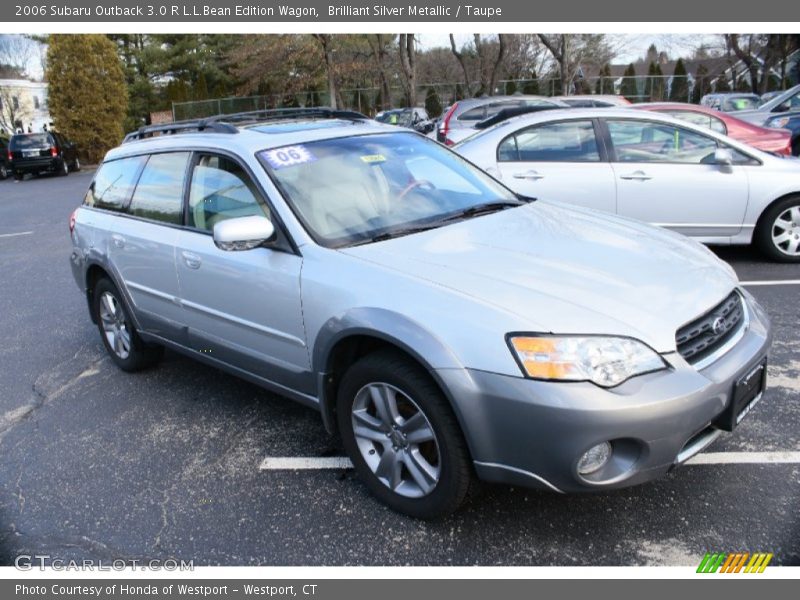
column 88, row 96
column 721, row 84
column 200, row 91
column 605, row 84
column 432, row 103
column 531, row 86
column 629, row 88
column 679, row 88
column 702, row 84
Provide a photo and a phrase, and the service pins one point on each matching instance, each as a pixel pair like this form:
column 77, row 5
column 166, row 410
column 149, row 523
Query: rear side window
column 159, row 193
column 475, row 114
column 114, row 183
column 221, row 189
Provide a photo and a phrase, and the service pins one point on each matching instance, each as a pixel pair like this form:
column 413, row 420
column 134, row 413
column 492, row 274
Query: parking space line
column 5, row 235
column 314, row 463
column 292, row 463
column 773, row 282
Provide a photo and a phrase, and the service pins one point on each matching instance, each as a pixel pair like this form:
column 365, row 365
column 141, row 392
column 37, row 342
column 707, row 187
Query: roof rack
column 516, row 111
column 223, row 123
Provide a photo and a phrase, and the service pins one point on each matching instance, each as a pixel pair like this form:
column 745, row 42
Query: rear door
column 666, row 175
column 141, row 243
column 242, row 308
column 561, row 161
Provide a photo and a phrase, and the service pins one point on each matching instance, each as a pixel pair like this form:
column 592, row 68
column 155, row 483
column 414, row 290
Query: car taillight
column 53, row 151
column 444, row 128
column 10, row 155
column 72, row 220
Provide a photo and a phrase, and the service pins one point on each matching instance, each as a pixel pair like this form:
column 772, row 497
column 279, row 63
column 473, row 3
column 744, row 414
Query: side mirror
column 243, row 233
column 723, row 156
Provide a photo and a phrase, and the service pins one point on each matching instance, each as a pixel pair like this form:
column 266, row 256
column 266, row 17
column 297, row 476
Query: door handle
column 191, row 260
column 636, row 176
column 118, row 240
column 531, row 174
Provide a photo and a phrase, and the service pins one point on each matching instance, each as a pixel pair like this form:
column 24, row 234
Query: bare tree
column 378, row 44
column 408, row 65
column 17, row 52
column 326, row 43
column 461, row 61
column 16, row 108
column 760, row 54
column 558, row 46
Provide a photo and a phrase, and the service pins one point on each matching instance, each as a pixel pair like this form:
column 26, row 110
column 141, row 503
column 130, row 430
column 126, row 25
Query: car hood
column 566, row 270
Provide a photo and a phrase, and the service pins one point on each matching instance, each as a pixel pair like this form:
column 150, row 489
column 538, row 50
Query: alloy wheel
column 396, row 440
column 115, row 325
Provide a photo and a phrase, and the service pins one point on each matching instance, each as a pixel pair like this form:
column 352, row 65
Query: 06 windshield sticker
column 288, row 156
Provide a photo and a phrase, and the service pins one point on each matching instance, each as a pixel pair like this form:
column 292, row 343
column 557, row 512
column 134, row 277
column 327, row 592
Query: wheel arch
column 768, row 207
column 96, row 271
column 341, row 342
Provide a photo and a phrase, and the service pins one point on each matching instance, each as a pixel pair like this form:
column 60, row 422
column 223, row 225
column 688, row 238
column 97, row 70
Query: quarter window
column 567, row 141
column 114, row 182
column 159, row 193
column 221, row 189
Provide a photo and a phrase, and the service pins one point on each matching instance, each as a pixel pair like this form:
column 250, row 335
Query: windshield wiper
column 388, row 235
column 481, row 209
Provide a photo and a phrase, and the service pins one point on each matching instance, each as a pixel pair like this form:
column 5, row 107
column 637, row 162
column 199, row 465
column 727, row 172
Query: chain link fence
column 368, row 100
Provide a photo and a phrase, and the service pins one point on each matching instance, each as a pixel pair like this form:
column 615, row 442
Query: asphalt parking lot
column 96, row 463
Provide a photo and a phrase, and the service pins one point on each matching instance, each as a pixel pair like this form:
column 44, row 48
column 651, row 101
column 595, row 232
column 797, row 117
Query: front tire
column 3, row 172
column 402, row 436
column 76, row 166
column 117, row 332
column 778, row 231
column 64, row 168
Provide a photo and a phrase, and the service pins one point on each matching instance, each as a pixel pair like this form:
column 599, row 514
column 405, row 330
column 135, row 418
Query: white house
column 23, row 105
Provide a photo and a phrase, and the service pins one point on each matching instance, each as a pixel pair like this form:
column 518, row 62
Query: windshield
column 352, row 190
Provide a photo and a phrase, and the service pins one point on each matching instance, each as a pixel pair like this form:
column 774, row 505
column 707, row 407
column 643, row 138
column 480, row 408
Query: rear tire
column 778, row 232
column 3, row 172
column 409, row 451
column 117, row 331
column 76, row 166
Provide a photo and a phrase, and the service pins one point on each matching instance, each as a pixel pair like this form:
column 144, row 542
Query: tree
column 559, row 47
column 721, row 84
column 760, row 53
column 531, row 86
column 326, row 44
column 16, row 108
column 432, row 103
column 408, row 64
column 655, row 82
column 629, row 88
column 605, row 82
column 702, row 84
column 88, row 97
column 679, row 88
column 379, row 47
column 574, row 52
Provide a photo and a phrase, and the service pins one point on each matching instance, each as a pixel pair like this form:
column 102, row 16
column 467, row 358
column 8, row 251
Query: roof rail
column 223, row 123
column 274, row 114
column 179, row 127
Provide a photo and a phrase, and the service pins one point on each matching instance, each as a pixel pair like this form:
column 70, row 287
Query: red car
column 778, row 141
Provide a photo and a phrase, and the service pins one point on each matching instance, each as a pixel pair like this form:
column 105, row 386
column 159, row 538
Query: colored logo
column 739, row 562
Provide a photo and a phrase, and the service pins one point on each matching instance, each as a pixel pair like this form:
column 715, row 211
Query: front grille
column 703, row 336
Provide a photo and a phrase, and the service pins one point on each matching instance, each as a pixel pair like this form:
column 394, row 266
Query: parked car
column 594, row 100
column 5, row 170
column 786, row 102
column 767, row 139
column 445, row 326
column 649, row 167
column 791, row 122
column 46, row 152
column 459, row 119
column 769, row 96
column 731, row 101
column 411, row 118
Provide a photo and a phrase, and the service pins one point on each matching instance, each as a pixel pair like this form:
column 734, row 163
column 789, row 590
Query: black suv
column 46, row 152
column 5, row 170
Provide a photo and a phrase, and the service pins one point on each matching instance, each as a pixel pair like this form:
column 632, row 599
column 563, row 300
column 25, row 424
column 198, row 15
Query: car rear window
column 31, row 140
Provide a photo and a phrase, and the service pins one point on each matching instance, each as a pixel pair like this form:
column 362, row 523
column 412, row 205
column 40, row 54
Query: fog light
column 594, row 458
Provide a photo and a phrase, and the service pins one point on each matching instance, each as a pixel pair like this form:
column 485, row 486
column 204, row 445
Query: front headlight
column 603, row 360
column 779, row 123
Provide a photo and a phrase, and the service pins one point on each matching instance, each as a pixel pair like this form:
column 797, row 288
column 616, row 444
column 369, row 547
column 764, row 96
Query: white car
column 649, row 167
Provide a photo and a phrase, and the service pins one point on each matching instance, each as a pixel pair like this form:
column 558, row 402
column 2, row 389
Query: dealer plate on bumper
column 747, row 391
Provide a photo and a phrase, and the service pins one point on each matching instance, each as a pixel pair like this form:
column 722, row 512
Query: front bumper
column 532, row 433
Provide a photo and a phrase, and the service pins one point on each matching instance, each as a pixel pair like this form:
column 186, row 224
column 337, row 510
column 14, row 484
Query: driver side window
column 221, row 189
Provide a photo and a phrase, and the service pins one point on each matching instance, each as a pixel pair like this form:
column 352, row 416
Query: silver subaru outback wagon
column 447, row 328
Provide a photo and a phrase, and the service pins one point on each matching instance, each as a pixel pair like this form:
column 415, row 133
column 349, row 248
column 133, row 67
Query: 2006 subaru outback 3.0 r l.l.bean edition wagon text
column 445, row 326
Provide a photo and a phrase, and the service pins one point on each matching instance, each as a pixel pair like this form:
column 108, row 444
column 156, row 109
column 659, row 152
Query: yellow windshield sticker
column 373, row 158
